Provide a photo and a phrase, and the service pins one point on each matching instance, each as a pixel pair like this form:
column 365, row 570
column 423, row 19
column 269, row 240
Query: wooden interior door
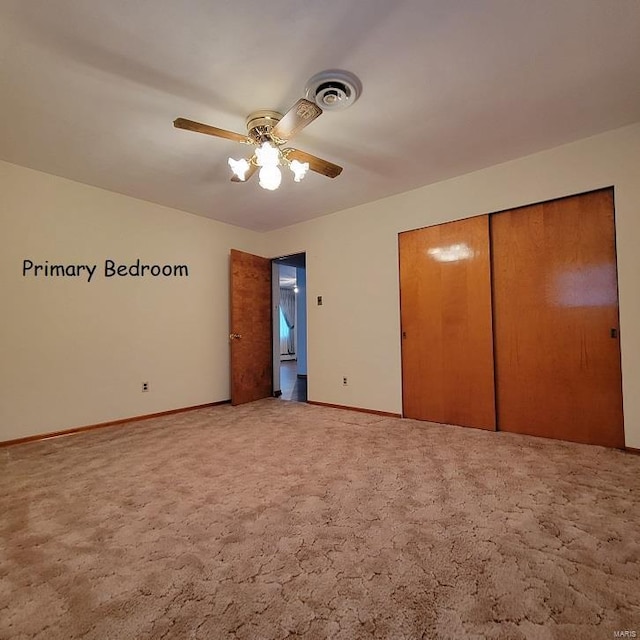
column 445, row 307
column 556, row 320
column 250, row 325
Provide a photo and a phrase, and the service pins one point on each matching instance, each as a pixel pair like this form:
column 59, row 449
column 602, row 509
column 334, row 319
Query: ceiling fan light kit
column 268, row 159
column 269, row 131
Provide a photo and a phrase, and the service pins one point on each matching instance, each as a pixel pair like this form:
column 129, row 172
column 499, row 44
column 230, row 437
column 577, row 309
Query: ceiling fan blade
column 252, row 169
column 198, row 127
column 316, row 164
column 302, row 113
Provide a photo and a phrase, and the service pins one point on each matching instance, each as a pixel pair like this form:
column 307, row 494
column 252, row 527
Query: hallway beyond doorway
column 292, row 387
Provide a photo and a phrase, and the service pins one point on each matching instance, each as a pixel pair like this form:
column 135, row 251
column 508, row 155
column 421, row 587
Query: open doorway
column 290, row 327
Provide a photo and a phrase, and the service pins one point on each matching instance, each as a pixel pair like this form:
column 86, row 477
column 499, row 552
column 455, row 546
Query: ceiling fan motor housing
column 260, row 123
column 334, row 89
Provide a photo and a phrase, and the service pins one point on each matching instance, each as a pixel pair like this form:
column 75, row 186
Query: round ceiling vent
column 334, row 89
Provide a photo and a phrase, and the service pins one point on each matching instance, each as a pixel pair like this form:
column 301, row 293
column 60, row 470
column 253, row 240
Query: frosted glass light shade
column 267, row 155
column 270, row 177
column 239, row 167
column 299, row 170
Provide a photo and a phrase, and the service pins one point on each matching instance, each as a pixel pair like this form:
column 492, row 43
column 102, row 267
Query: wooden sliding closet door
column 556, row 320
column 445, row 306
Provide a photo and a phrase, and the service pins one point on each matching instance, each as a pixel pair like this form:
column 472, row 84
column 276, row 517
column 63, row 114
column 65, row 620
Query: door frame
column 275, row 312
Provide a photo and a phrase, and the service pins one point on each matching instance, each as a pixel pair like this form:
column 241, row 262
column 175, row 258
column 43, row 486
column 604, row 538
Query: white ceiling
column 89, row 90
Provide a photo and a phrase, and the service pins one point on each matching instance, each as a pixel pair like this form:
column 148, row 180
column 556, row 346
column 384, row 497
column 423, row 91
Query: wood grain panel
column 556, row 308
column 447, row 347
column 250, row 318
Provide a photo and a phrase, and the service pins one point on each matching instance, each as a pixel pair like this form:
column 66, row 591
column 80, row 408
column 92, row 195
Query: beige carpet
column 283, row 520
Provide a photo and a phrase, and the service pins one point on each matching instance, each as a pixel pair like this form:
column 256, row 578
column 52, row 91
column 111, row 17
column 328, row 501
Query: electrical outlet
column 145, row 386
column 344, row 381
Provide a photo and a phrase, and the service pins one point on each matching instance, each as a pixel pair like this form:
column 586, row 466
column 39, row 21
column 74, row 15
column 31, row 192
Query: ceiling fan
column 269, row 131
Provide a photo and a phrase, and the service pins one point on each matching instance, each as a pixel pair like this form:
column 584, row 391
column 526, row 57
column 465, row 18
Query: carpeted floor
column 281, row 520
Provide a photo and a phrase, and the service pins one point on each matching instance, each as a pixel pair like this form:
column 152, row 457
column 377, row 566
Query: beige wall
column 352, row 261
column 74, row 352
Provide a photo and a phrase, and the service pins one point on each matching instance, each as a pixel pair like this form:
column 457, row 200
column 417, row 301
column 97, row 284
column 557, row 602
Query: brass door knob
column 234, row 336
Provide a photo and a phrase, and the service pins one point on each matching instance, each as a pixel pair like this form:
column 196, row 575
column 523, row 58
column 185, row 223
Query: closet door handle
column 614, row 333
column 234, row 336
